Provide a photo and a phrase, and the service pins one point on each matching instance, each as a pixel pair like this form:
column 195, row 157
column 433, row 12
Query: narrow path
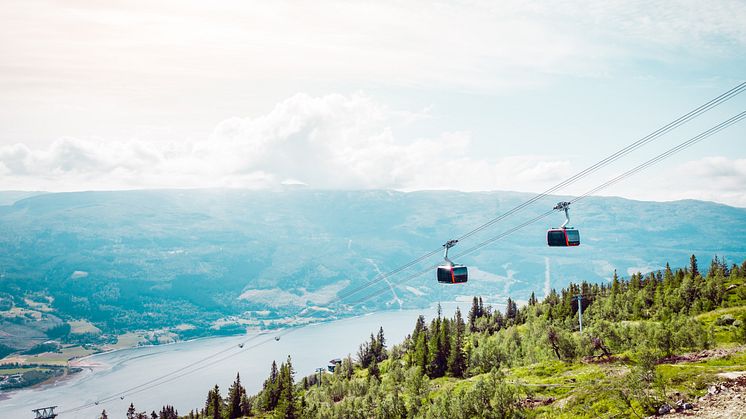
column 393, row 291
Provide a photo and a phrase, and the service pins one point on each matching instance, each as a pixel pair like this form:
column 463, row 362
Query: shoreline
column 260, row 331
column 110, row 373
column 89, row 366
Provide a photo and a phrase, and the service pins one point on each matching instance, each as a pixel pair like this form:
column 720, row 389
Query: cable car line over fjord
column 617, row 155
column 187, row 369
column 583, row 173
column 703, row 135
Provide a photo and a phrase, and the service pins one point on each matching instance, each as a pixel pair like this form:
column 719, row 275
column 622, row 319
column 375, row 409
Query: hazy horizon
column 452, row 95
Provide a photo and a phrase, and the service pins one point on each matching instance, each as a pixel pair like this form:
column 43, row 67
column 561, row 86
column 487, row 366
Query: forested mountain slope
column 161, row 258
column 650, row 343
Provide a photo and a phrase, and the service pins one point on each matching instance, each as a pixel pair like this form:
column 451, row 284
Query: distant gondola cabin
column 452, row 274
column 562, row 237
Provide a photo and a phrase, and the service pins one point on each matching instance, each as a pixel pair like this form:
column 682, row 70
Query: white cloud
column 711, row 178
column 469, row 45
column 333, row 141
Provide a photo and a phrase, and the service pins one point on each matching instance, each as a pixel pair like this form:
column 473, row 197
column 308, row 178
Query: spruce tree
column 444, row 347
column 473, row 313
column 347, row 367
column 131, row 412
column 235, row 392
column 693, row 269
column 419, row 326
column 286, row 404
column 373, row 370
column 498, row 320
column 245, row 405
column 270, row 390
column 433, row 367
column 615, row 286
column 457, row 359
column 668, row 277
column 103, row 415
column 213, row 405
column 511, row 310
column 381, row 345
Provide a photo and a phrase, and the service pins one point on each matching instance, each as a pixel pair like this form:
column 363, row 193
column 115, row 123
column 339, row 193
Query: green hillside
column 648, row 341
column 211, row 262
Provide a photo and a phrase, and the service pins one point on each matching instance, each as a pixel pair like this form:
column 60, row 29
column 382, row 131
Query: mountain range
column 220, row 259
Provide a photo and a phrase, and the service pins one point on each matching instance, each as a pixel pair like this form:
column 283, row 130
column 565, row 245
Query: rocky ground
column 726, row 399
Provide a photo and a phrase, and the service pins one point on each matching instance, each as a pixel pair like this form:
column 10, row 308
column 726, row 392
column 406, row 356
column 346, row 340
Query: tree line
column 650, row 314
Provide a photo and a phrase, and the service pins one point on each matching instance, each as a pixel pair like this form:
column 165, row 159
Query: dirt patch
column 601, row 359
column 732, row 375
column 532, row 402
column 701, row 355
column 723, row 400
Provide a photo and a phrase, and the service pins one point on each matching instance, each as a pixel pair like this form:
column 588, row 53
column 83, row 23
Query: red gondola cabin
column 452, row 274
column 563, row 237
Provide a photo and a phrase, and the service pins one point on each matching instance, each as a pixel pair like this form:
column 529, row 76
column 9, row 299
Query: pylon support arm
column 564, row 206
column 449, row 244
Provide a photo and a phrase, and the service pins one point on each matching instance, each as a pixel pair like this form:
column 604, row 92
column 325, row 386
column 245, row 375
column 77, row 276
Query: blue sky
column 454, row 95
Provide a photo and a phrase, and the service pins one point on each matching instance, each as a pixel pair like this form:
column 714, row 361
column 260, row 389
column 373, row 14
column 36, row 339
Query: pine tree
column 433, row 369
column 693, row 269
column 381, row 345
column 131, row 412
column 373, row 370
column 668, row 277
column 270, row 389
column 735, row 271
column 349, row 367
column 532, row 299
column 235, row 393
column 421, row 347
column 718, row 267
column 365, row 352
column 634, row 282
column 103, row 415
column 498, row 320
column 419, row 326
column 473, row 314
column 168, row 412
column 245, row 405
column 511, row 310
column 615, row 287
column 153, row 415
column 286, row 404
column 213, row 405
column 437, row 353
column 444, row 345
column 457, row 359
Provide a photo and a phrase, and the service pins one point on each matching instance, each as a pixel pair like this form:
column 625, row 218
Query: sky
column 464, row 95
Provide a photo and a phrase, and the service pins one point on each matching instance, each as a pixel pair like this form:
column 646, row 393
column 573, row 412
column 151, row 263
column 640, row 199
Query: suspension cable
column 668, row 127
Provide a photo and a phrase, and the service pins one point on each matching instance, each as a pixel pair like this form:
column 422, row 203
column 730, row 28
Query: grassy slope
column 581, row 389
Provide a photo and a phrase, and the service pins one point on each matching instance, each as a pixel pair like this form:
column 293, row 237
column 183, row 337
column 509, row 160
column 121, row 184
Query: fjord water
column 310, row 347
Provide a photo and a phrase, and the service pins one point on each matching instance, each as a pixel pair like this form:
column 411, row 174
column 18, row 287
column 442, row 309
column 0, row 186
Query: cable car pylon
column 45, row 412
